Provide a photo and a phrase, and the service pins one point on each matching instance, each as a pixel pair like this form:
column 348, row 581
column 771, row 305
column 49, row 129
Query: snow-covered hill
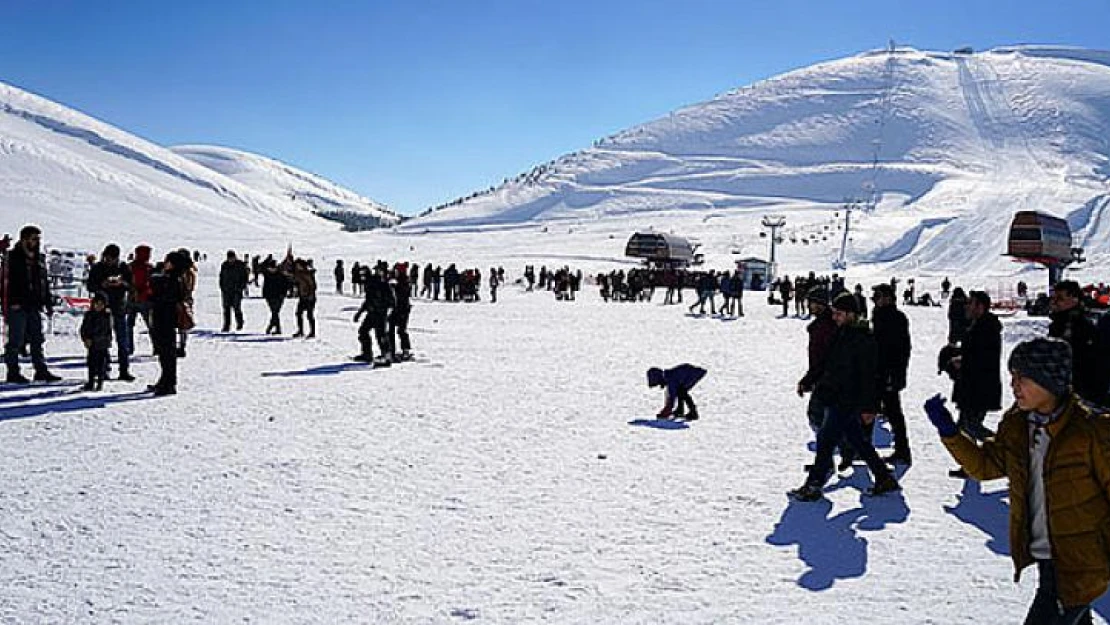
column 287, row 183
column 86, row 182
column 938, row 149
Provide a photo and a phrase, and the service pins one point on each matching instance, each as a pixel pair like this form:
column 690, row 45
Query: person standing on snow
column 113, row 278
column 847, row 389
column 167, row 297
column 892, row 335
column 378, row 303
column 233, row 281
column 1055, row 451
column 96, row 334
column 678, row 382
column 1069, row 322
column 339, row 274
column 139, row 305
column 26, row 295
column 399, row 318
column 304, row 277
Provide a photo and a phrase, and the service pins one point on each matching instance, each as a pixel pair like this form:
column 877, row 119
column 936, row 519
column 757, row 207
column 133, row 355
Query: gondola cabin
column 661, row 249
column 1040, row 238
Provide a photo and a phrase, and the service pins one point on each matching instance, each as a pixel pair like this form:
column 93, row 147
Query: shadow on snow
column 73, row 404
column 320, row 370
column 990, row 512
column 832, row 546
column 660, row 424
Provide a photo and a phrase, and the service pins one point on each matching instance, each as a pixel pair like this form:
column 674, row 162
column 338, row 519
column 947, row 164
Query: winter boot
column 806, row 492
column 15, row 377
column 43, row 375
column 885, row 484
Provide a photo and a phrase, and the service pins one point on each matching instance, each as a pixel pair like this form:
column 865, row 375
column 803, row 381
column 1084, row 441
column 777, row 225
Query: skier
column 678, row 381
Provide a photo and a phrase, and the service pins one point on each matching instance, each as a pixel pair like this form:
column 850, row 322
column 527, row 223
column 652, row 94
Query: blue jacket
column 684, row 376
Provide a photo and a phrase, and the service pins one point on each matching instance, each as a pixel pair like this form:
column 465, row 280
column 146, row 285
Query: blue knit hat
column 1046, row 361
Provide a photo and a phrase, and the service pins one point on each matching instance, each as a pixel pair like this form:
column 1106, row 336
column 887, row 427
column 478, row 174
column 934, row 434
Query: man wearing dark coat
column 233, row 280
column 379, row 301
column 892, row 334
column 847, row 389
column 26, row 295
column 167, row 297
column 1069, row 322
column 978, row 388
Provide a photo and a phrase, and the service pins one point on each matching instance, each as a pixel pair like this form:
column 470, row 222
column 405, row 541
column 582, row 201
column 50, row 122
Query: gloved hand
column 939, row 416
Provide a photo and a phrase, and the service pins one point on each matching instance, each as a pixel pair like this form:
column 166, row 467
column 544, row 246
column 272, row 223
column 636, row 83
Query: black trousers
column 165, row 344
column 399, row 328
column 377, row 324
column 97, row 361
column 1046, row 608
column 891, row 408
column 306, row 306
column 275, row 304
column 685, row 404
column 233, row 304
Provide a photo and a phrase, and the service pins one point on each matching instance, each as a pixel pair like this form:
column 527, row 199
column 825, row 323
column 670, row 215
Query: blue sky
column 414, row 103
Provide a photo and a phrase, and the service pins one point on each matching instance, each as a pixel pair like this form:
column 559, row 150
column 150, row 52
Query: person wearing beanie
column 139, row 301
column 113, row 278
column 678, row 382
column 846, row 387
column 96, row 334
column 1055, row 451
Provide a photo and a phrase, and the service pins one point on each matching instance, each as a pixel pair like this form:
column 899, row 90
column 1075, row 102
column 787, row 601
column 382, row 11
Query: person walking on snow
column 376, row 306
column 848, row 390
column 1055, row 451
column 233, row 281
column 678, row 382
column 304, row 277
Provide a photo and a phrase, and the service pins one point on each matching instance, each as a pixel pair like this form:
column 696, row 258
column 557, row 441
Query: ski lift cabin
column 657, row 248
column 1041, row 238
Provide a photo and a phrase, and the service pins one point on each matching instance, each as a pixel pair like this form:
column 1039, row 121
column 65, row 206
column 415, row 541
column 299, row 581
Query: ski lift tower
column 774, row 223
column 840, row 264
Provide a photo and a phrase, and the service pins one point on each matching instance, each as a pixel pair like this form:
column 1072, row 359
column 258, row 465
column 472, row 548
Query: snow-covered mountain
column 937, row 149
column 86, row 183
column 287, row 183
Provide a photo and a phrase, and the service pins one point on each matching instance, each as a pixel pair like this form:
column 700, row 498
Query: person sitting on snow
column 678, row 382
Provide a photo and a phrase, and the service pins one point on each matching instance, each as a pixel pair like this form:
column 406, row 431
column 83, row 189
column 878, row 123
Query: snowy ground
column 502, row 478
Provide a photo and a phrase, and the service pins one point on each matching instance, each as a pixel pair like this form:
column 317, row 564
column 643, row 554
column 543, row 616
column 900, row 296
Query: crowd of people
column 1053, row 443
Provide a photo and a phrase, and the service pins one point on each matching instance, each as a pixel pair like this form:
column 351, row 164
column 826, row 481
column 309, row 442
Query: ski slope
column 287, row 183
column 85, row 181
column 937, row 149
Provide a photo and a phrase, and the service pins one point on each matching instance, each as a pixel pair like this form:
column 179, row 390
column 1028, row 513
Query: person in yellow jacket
column 1055, row 450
